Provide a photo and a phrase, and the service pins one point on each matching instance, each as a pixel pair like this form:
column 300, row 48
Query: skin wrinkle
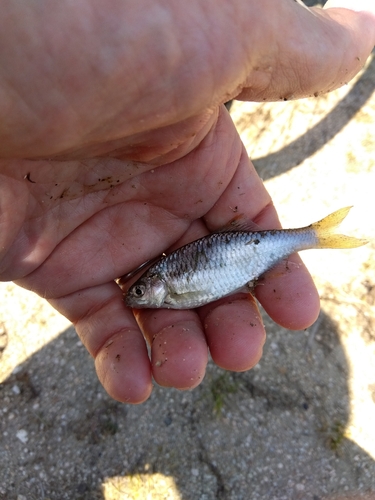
column 59, row 207
column 211, row 48
column 320, row 44
column 218, row 320
column 186, row 86
column 169, row 104
column 156, row 231
column 174, row 344
column 96, row 317
column 59, row 108
column 262, row 218
column 222, row 212
column 9, row 229
column 130, row 379
column 139, row 74
column 297, row 52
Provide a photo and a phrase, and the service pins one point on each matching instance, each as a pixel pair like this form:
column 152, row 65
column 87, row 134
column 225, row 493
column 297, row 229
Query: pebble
column 22, row 435
column 16, row 390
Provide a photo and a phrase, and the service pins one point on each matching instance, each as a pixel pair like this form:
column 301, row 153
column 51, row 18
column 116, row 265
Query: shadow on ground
column 275, row 432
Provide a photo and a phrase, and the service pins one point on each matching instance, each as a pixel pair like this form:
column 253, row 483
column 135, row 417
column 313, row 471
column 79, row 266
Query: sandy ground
column 298, row 426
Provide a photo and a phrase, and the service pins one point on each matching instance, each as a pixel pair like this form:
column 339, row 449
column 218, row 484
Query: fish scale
column 218, row 265
column 224, row 262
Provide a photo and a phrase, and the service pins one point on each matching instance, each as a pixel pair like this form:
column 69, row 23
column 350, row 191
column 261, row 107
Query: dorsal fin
column 239, row 223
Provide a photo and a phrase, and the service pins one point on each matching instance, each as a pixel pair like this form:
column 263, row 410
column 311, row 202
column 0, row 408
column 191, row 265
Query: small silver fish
column 225, row 262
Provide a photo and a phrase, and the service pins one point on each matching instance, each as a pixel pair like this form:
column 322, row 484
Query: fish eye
column 139, row 290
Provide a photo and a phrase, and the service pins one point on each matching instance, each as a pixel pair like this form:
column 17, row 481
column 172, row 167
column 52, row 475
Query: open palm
column 126, row 180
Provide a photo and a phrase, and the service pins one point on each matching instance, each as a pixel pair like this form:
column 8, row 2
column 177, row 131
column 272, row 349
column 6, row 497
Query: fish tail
column 327, row 238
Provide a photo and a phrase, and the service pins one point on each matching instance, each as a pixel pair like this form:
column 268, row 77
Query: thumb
column 318, row 50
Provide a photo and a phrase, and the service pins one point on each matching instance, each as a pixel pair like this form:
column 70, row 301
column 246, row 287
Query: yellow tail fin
column 324, row 230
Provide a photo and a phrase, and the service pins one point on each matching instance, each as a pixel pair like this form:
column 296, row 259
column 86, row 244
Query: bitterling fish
column 222, row 263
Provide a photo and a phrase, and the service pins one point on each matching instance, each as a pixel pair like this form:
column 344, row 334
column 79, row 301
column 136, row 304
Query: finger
column 111, row 335
column 288, row 294
column 178, row 347
column 304, row 53
column 234, row 331
column 295, row 303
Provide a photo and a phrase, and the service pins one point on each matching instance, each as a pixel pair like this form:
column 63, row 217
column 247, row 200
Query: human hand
column 169, row 167
column 81, row 224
